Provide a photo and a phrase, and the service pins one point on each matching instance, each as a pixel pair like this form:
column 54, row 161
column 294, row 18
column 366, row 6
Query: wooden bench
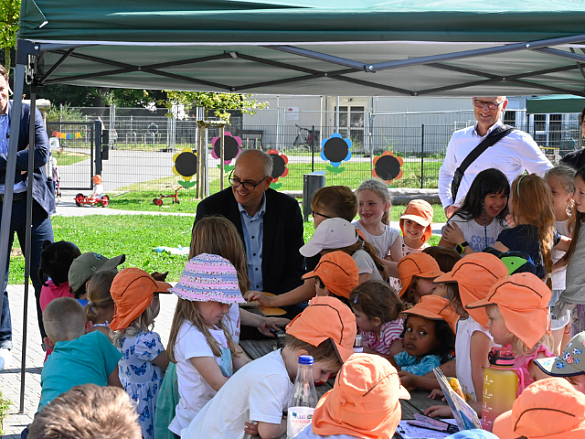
column 252, row 138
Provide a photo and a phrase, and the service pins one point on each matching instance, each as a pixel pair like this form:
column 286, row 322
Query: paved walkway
column 10, row 382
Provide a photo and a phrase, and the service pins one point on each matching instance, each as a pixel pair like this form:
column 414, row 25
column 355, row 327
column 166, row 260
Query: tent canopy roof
column 555, row 104
column 319, row 47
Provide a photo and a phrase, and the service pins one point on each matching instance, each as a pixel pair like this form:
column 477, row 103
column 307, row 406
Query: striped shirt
column 389, row 332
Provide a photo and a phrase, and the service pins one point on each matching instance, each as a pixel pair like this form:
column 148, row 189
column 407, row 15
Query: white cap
column 331, row 234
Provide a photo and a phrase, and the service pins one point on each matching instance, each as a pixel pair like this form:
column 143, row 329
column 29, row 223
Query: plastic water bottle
column 303, row 400
column 500, row 386
column 358, row 344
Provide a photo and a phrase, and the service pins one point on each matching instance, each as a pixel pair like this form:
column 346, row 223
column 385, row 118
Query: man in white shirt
column 512, row 155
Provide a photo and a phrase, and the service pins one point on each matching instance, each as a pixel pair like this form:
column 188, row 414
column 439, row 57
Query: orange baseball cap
column 421, row 212
column 435, row 308
column 338, row 271
column 132, row 291
column 364, row 401
column 326, row 317
column 416, row 264
column 475, row 274
column 97, row 179
column 546, row 409
column 523, row 301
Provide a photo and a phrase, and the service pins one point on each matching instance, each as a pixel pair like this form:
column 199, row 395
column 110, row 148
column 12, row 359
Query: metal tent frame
column 296, row 66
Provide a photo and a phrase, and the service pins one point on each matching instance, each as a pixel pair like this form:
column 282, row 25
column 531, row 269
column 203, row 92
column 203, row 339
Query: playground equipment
column 175, row 197
column 102, row 200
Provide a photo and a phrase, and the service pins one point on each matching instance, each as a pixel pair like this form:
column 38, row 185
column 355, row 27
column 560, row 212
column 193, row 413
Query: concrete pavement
column 10, row 382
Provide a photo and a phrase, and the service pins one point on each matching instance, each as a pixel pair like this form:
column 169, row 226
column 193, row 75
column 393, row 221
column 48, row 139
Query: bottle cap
column 359, row 342
column 501, row 357
column 305, row 359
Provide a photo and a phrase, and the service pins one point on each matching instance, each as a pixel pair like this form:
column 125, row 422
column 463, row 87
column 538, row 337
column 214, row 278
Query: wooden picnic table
column 418, row 403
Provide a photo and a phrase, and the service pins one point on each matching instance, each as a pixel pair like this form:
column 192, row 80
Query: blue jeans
column 41, row 230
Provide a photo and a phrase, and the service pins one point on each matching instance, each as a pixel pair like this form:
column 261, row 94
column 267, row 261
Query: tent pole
column 11, row 172
column 221, row 156
column 27, row 245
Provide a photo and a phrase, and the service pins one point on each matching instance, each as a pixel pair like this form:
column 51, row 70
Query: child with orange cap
column 416, row 226
column 429, row 336
column 336, row 274
column 470, row 281
column 547, row 409
column 417, row 272
column 257, row 395
column 363, row 403
column 517, row 309
column 144, row 359
column 377, row 312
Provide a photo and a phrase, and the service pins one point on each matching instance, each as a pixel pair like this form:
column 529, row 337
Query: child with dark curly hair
column 429, row 336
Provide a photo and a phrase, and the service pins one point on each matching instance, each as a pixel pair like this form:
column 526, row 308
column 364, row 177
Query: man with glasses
column 513, row 154
column 269, row 222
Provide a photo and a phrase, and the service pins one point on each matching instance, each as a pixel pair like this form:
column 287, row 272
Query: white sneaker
column 5, row 358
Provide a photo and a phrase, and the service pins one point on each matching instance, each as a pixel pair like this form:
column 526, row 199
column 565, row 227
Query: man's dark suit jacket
column 282, row 264
column 42, row 192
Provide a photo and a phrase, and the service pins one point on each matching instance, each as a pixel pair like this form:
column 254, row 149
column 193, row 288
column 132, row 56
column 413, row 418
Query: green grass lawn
column 70, row 158
column 136, row 236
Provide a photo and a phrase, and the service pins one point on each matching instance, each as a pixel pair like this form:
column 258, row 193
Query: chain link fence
column 144, row 144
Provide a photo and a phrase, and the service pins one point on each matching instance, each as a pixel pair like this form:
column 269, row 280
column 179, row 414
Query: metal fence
column 142, row 149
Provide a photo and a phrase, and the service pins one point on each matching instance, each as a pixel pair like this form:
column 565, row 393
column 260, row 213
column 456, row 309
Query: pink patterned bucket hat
column 209, row 278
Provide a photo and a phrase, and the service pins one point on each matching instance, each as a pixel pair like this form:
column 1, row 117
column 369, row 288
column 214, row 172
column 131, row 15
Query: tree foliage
column 218, row 103
column 9, row 12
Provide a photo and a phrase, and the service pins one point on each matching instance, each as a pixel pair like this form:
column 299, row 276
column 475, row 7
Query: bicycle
column 304, row 139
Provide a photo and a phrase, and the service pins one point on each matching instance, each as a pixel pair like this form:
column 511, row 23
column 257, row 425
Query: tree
column 219, row 103
column 9, row 12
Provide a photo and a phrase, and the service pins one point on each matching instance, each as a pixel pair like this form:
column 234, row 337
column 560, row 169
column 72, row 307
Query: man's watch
column 460, row 248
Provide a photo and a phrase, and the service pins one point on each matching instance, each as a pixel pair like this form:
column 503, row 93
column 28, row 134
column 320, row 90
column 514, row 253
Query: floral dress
column 140, row 377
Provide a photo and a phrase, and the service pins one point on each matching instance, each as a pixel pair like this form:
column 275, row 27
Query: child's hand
column 251, row 428
column 510, row 220
column 436, row 392
column 439, row 410
column 453, row 234
column 281, row 322
column 159, row 276
column 266, row 326
column 407, row 380
column 261, row 298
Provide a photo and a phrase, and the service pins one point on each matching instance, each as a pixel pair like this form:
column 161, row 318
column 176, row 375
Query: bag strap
column 494, row 137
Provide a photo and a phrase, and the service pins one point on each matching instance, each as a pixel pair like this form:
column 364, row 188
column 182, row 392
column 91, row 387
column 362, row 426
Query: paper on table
column 410, row 432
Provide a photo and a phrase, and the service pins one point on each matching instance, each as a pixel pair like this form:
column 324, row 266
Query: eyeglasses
column 490, row 105
column 246, row 185
column 320, row 214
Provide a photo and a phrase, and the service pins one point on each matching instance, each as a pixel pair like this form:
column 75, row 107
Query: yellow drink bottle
column 500, row 386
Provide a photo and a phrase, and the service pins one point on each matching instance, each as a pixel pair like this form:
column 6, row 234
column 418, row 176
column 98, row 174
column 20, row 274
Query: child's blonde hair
column 376, row 298
column 188, row 311
column 565, row 175
column 144, row 322
column 381, row 190
column 98, row 293
column 532, row 201
column 64, row 319
column 217, row 235
column 362, row 244
column 338, row 200
column 518, row 345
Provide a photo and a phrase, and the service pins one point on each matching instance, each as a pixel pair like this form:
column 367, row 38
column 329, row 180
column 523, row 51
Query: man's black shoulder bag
column 494, row 137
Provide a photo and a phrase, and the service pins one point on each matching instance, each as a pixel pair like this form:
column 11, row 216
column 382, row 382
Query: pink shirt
column 521, row 366
column 52, row 292
column 389, row 332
